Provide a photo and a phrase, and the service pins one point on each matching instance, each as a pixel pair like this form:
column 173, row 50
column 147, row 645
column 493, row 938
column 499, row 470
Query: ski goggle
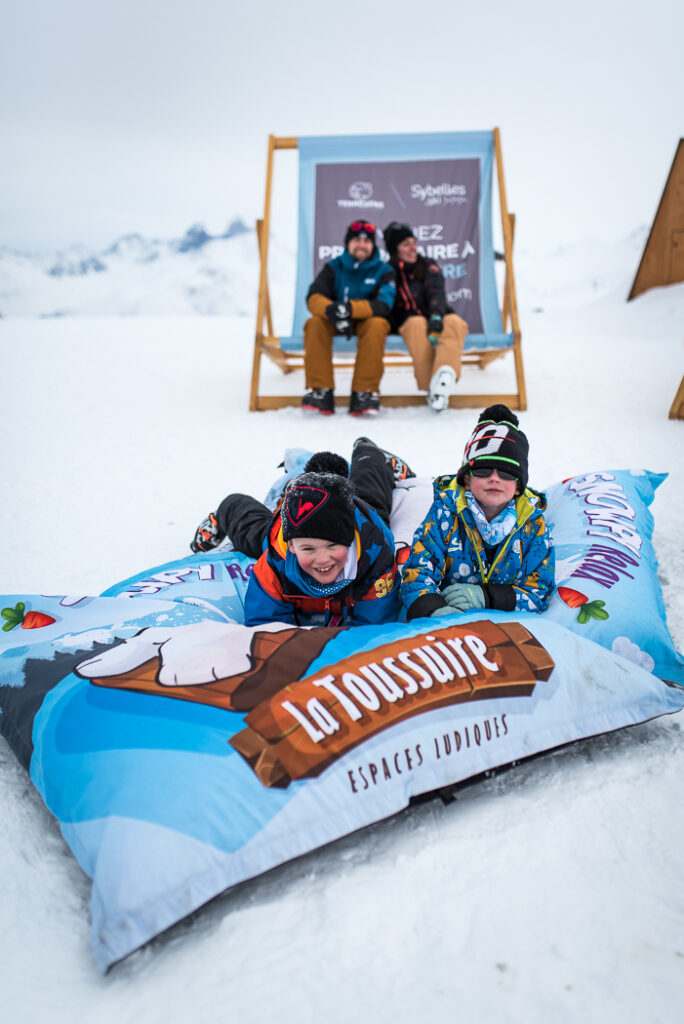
column 486, row 471
column 362, row 225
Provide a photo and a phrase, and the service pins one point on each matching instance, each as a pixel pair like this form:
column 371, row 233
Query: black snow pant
column 247, row 521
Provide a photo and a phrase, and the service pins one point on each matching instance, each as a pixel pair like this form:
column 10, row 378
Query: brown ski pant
column 428, row 358
column 370, row 348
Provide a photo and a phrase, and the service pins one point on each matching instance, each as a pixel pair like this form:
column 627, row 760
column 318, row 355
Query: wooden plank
column 505, row 312
column 661, row 261
column 269, row 319
column 512, row 305
column 268, row 402
column 677, row 407
column 263, row 275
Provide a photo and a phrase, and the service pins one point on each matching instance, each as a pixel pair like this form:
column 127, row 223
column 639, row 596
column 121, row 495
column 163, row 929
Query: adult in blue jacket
column 353, row 295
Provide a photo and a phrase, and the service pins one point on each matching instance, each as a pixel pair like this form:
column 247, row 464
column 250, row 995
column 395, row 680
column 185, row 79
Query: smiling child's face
column 491, row 492
column 321, row 559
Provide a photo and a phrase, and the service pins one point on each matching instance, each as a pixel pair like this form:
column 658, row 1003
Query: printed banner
column 440, row 184
column 439, row 199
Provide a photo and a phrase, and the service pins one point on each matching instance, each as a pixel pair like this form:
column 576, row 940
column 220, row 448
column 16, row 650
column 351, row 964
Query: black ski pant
column 247, row 521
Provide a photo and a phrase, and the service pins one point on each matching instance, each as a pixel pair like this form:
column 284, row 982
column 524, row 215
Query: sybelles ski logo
column 435, row 195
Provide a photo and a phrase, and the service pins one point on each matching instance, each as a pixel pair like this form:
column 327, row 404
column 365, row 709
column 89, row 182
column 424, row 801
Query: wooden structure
column 396, row 355
column 662, row 261
column 677, row 407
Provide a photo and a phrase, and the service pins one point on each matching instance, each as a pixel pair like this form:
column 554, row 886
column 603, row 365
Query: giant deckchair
column 440, row 184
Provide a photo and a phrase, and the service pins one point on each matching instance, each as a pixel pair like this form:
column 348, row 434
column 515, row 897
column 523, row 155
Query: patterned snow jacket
column 518, row 575
column 279, row 591
column 420, row 291
column 368, row 285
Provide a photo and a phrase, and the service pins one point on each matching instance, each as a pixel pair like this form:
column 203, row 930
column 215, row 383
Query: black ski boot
column 321, row 400
column 364, row 403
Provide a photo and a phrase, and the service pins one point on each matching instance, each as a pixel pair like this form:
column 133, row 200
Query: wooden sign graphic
column 309, row 724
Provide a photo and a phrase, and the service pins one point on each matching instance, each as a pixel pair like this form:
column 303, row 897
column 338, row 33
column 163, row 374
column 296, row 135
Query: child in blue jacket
column 484, row 542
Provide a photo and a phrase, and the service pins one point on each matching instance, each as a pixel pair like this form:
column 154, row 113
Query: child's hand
column 464, row 597
column 444, row 610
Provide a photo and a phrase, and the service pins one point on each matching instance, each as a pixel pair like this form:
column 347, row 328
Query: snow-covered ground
column 551, row 892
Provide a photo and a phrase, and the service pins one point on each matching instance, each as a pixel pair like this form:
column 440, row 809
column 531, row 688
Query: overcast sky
column 150, row 115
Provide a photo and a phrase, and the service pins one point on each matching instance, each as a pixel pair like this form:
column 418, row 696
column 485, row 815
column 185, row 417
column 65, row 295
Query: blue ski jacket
column 447, row 548
column 343, row 279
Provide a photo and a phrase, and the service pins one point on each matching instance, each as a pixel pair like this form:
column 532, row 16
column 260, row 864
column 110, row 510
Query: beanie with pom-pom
column 327, row 462
column 497, row 442
column 320, row 505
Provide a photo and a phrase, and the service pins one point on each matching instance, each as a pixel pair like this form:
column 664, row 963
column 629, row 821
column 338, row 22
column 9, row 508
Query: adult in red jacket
column 434, row 335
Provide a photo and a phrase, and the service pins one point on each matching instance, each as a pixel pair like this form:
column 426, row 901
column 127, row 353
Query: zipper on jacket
column 330, row 618
column 486, row 576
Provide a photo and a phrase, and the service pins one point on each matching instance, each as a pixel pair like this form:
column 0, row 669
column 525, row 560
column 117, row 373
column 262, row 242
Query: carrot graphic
column 587, row 609
column 18, row 616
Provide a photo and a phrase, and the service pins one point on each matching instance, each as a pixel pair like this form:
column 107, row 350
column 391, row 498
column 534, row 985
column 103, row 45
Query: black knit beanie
column 395, row 233
column 497, row 442
column 360, row 228
column 320, row 504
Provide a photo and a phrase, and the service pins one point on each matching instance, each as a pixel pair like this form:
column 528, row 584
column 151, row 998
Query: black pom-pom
column 327, row 462
column 499, row 414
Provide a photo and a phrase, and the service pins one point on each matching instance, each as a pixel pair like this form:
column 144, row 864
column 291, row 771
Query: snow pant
column 428, row 358
column 247, row 521
column 372, row 477
column 370, row 348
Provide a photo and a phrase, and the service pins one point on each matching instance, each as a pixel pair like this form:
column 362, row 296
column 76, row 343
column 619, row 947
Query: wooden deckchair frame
column 268, row 344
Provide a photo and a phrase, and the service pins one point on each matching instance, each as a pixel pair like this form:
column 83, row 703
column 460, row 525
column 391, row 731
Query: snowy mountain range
column 217, row 275
column 198, row 273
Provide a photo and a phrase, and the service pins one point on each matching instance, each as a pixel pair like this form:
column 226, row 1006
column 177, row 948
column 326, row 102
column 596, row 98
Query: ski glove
column 444, row 610
column 340, row 314
column 435, row 326
column 464, row 597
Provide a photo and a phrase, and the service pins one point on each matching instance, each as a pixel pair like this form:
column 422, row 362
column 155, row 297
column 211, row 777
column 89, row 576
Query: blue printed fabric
column 183, row 752
column 606, row 566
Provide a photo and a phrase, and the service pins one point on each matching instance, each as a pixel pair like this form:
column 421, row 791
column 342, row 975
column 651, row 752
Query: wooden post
column 269, row 319
column 512, row 306
column 263, row 300
column 504, row 304
column 263, row 275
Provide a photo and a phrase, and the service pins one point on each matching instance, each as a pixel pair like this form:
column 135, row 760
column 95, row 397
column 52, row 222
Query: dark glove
column 435, row 326
column 340, row 314
column 464, row 597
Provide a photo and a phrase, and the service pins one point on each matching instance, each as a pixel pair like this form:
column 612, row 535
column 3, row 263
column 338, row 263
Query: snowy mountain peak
column 198, row 273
